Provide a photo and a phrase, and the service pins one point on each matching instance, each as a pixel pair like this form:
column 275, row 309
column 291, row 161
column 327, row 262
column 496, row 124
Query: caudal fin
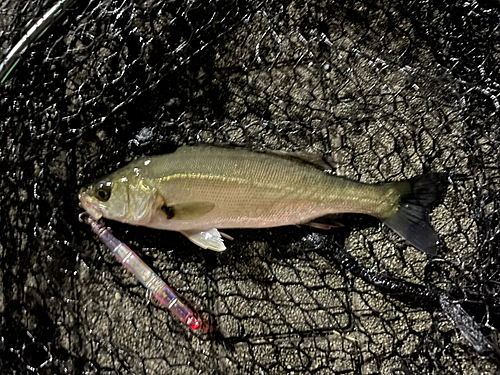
column 411, row 222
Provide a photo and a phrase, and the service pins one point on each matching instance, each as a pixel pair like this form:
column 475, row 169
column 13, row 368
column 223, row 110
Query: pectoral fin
column 187, row 211
column 208, row 239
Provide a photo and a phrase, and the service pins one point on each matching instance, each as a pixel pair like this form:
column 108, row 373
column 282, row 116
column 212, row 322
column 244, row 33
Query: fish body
column 197, row 189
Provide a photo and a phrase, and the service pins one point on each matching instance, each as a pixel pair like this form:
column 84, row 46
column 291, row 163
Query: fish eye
column 103, row 193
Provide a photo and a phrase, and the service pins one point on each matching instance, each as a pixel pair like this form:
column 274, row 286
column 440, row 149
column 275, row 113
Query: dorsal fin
column 316, row 160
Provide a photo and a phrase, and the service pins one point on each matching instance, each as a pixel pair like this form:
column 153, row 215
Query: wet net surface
column 385, row 90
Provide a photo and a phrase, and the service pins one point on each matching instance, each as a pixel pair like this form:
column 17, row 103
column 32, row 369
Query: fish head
column 120, row 197
column 106, row 198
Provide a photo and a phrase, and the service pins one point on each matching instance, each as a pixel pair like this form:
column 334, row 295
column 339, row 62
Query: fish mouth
column 91, row 208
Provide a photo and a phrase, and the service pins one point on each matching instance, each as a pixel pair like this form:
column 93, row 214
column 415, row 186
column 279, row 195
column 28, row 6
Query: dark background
column 385, row 90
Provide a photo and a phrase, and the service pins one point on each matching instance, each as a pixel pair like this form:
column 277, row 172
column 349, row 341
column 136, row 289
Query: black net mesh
column 386, row 90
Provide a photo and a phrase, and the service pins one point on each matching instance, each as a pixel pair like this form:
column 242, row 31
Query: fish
column 197, row 190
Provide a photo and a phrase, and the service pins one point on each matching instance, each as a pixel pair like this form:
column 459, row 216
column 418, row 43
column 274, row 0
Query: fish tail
column 411, row 221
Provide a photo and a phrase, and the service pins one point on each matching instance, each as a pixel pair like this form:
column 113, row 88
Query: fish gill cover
column 386, row 90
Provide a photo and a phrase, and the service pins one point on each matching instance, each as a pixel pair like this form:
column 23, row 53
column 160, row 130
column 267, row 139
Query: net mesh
column 386, row 90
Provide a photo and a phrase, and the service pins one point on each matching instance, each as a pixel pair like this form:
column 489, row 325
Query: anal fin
column 326, row 222
column 323, row 226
